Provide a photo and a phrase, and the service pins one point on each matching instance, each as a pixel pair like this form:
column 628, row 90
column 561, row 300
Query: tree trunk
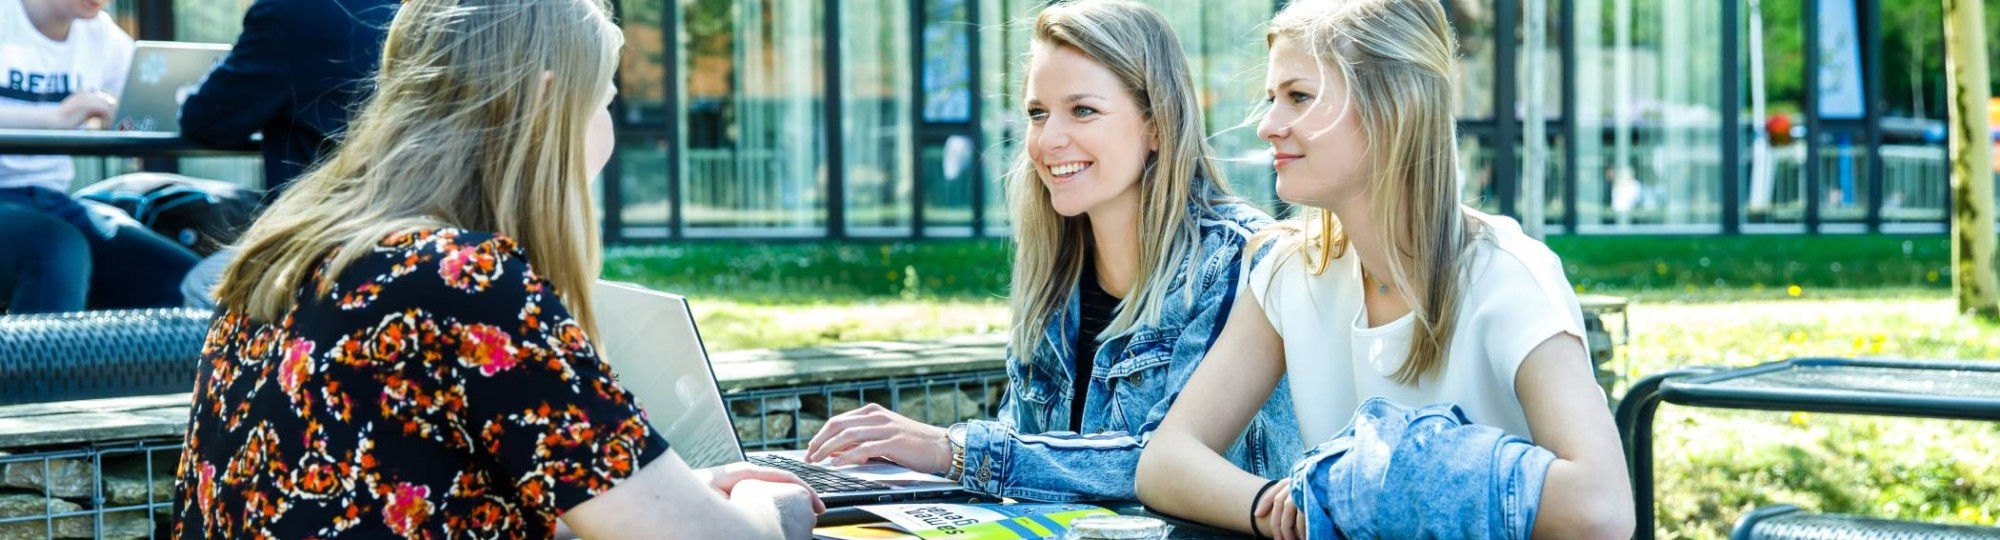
column 1971, row 158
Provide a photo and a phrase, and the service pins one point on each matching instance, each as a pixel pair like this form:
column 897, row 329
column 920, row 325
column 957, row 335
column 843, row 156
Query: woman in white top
column 1387, row 286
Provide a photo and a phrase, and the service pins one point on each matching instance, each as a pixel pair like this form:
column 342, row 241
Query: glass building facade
column 897, row 118
column 862, row 118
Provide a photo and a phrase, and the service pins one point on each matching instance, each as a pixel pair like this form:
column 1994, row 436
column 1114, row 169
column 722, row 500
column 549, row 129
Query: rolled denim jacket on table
column 1397, row 472
column 1031, row 451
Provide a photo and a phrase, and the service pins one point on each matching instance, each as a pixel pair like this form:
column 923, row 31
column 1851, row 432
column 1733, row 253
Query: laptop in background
column 651, row 342
column 162, row 75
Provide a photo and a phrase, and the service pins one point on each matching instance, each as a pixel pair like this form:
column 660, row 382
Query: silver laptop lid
column 650, row 340
column 162, row 75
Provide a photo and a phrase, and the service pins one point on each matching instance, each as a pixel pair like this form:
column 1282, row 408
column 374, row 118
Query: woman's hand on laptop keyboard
column 725, row 479
column 871, row 432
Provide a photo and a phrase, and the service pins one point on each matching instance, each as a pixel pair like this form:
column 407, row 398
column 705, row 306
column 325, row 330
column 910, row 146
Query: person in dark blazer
column 297, row 70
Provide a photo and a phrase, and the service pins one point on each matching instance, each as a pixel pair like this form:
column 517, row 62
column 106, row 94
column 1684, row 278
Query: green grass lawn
column 1697, row 301
column 819, row 272
column 1755, row 262
column 728, row 325
column 778, row 296
column 813, row 272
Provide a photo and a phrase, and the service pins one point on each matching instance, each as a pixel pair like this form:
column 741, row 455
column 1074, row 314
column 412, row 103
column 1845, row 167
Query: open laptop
column 162, row 75
column 651, row 342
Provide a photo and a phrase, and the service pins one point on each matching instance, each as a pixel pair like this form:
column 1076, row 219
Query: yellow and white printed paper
column 984, row 521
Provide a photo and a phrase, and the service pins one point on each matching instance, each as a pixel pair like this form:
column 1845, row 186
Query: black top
column 1098, row 307
column 440, row 389
column 296, row 70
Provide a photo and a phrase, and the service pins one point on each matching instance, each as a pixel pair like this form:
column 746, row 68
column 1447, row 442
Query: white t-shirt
column 1516, row 298
column 40, row 72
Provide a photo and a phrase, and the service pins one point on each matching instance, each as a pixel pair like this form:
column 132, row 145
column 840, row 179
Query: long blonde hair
column 1139, row 47
column 1397, row 59
column 477, row 122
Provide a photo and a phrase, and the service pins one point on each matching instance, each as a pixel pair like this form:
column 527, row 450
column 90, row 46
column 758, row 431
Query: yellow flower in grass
column 1971, row 514
column 1794, row 291
column 1799, row 418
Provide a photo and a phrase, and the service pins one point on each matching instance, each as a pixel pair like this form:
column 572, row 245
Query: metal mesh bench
column 1787, row 522
column 99, row 354
column 1884, row 387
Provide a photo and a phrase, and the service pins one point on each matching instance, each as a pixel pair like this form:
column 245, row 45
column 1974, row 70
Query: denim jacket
column 1397, row 472
column 1032, row 452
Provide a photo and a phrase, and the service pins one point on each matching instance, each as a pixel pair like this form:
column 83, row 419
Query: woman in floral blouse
column 405, row 345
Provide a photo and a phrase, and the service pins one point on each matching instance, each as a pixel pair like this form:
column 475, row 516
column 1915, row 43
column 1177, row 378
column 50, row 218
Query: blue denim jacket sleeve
column 1018, row 457
column 1397, row 472
column 1065, row 466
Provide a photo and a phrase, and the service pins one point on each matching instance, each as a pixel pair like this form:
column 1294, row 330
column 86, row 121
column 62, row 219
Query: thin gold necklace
column 1380, row 286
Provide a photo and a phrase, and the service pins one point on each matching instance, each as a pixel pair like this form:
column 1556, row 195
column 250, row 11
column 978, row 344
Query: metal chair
column 1884, row 387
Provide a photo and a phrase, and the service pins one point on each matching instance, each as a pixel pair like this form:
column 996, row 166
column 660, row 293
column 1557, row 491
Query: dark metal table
column 1183, row 529
column 1906, row 388
column 108, row 143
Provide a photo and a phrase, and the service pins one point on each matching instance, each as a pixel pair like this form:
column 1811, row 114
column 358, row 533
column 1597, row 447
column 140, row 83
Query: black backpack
column 201, row 215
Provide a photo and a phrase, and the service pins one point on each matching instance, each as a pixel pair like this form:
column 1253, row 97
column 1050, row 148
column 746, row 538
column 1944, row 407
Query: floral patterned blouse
column 440, row 390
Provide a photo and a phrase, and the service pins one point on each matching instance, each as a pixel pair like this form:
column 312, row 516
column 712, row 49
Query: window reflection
column 752, row 153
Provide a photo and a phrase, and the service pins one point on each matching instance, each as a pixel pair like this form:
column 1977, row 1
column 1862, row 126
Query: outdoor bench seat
column 47, row 358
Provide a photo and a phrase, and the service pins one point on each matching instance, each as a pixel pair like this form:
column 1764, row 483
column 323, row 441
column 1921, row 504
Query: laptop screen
column 162, row 75
column 649, row 338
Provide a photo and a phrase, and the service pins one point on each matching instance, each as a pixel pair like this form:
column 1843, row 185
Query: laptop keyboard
column 822, row 480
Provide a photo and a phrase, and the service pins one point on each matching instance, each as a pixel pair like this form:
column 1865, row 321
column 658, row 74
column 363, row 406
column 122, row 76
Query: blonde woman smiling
column 1128, row 254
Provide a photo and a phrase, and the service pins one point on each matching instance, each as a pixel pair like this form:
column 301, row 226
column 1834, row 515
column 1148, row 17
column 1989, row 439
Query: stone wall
column 785, row 422
column 39, row 487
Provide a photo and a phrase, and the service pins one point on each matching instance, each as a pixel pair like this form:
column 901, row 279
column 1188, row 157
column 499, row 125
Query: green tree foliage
column 1913, row 55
